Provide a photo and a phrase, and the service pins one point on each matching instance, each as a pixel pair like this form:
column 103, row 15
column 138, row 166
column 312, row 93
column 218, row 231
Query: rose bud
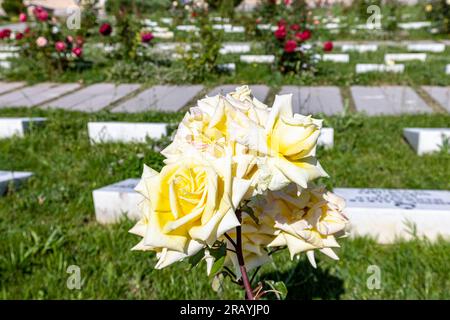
column 23, row 17
column 328, row 46
column 60, row 46
column 77, row 51
column 19, row 35
column 290, row 46
column 146, row 37
column 105, row 29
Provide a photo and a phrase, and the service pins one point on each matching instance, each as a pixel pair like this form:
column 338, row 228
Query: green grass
column 49, row 223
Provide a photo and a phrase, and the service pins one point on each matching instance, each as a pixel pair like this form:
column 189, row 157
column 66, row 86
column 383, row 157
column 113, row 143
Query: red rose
column 5, row 33
column 60, row 46
column 303, row 36
column 328, row 46
column 19, row 35
column 27, row 30
column 146, row 37
column 77, row 51
column 280, row 33
column 290, row 46
column 23, row 17
column 295, row 27
column 281, row 22
column 105, row 29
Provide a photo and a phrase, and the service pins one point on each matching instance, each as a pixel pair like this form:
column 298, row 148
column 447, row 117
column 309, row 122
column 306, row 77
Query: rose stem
column 240, row 257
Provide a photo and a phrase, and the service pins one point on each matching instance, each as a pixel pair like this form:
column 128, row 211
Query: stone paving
column 95, row 97
column 36, row 95
column 164, row 98
column 440, row 94
column 132, row 98
column 314, row 100
column 388, row 100
column 259, row 91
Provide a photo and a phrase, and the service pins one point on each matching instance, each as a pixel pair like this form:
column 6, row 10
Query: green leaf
column 196, row 258
column 218, row 250
column 218, row 264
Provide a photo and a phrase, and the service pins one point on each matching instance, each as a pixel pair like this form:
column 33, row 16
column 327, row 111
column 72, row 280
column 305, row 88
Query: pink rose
column 23, row 17
column 41, row 42
column 60, row 46
column 146, row 37
column 77, row 51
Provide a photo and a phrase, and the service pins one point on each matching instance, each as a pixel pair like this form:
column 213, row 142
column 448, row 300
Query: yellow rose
column 187, row 206
column 305, row 219
column 428, row 7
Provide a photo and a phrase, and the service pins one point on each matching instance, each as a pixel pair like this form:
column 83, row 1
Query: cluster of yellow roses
column 235, row 153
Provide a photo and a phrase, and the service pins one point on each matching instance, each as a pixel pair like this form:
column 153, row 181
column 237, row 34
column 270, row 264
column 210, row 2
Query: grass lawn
column 49, row 224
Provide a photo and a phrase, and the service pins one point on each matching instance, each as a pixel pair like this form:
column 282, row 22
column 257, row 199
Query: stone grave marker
column 15, row 178
column 116, row 201
column 393, row 57
column 17, row 126
column 9, row 86
column 260, row 92
column 372, row 67
column 388, row 100
column 370, row 47
column 162, row 97
column 314, row 100
column 253, row 58
column 36, row 95
column 336, row 57
column 426, row 140
column 235, row 47
column 414, row 25
column 100, row 132
column 430, row 47
column 440, row 94
column 94, row 97
column 390, row 213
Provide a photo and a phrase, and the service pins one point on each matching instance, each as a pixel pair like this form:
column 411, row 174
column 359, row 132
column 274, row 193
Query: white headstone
column 237, row 47
column 326, row 138
column 388, row 214
column 163, row 35
column 17, row 126
column 426, row 140
column 369, row 67
column 257, row 58
column 414, row 25
column 187, row 28
column 12, row 177
column 430, row 47
column 100, row 132
column 359, row 47
column 117, row 201
column 393, row 57
column 336, row 57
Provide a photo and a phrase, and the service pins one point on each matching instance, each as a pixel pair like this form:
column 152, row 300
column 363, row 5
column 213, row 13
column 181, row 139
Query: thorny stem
column 240, row 257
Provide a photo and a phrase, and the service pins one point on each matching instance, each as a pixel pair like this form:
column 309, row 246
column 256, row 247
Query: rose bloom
column 188, row 205
column 77, row 51
column 60, row 46
column 146, row 37
column 41, row 14
column 280, row 33
column 41, row 42
column 295, row 27
column 5, row 33
column 105, row 29
column 69, row 39
column 19, row 35
column 303, row 36
column 23, row 17
column 281, row 22
column 290, row 46
column 328, row 46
